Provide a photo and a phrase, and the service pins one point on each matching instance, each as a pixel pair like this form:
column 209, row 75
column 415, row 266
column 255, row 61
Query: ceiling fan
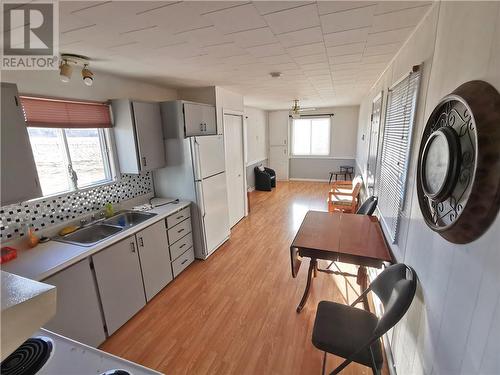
column 296, row 109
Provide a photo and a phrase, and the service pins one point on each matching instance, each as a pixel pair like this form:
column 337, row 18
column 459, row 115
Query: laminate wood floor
column 235, row 312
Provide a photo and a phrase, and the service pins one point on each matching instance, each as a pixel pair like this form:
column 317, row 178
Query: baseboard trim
column 250, row 188
column 309, row 179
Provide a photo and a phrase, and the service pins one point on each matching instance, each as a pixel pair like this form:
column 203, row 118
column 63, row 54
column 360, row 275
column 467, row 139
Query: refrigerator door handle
column 197, row 161
column 201, row 204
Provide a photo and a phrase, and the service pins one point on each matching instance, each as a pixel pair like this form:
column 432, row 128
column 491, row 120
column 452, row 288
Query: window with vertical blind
column 69, row 142
column 398, row 129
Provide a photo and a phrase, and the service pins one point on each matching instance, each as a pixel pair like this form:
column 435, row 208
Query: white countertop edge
column 26, row 265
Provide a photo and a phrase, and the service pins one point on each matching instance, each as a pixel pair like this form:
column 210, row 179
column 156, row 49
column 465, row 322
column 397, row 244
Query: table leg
column 362, row 281
column 312, row 266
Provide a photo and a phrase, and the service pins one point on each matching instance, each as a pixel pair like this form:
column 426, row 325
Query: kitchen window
column 311, row 136
column 70, row 143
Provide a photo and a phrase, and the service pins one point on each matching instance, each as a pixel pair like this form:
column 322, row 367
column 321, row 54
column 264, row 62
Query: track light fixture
column 87, row 75
column 65, row 71
column 66, row 68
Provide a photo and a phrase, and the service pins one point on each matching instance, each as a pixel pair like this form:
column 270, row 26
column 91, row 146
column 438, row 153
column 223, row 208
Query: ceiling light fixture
column 276, row 74
column 66, row 68
column 65, row 71
column 87, row 75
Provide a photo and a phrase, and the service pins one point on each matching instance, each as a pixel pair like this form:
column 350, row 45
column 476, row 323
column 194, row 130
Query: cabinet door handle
column 201, row 127
column 179, row 217
column 144, row 161
column 184, row 261
column 141, row 242
column 180, row 230
column 132, row 246
column 180, row 247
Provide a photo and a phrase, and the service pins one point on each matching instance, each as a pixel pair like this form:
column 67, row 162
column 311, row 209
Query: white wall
column 453, row 325
column 342, row 147
column 257, row 141
column 106, row 86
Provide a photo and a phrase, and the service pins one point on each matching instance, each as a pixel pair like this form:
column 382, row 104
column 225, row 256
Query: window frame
column 108, row 156
column 311, row 155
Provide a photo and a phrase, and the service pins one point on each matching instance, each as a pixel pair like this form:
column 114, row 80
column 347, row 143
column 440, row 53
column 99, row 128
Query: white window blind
column 399, row 119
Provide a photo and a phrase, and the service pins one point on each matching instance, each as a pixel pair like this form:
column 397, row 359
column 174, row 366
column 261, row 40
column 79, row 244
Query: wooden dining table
column 338, row 237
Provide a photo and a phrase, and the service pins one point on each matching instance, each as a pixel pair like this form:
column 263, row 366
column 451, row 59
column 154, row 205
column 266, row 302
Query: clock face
column 458, row 172
column 447, row 163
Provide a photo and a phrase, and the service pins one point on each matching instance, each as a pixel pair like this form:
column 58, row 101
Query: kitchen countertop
column 51, row 257
column 26, row 305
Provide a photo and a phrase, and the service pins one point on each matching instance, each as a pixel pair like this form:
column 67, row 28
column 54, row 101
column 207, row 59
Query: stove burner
column 28, row 358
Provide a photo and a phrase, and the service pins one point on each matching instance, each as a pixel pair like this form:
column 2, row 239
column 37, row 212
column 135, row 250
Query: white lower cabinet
column 78, row 313
column 155, row 259
column 119, row 279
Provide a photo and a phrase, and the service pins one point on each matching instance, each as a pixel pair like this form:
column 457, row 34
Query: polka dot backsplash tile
column 44, row 212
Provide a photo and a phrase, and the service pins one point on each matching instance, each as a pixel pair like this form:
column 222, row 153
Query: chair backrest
column 368, row 207
column 395, row 287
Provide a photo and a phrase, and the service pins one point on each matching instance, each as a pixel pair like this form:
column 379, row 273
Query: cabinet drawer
column 179, row 231
column 180, row 246
column 176, row 218
column 182, row 262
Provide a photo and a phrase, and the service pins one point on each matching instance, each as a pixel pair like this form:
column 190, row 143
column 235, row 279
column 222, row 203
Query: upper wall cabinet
column 197, row 119
column 137, row 127
column 224, row 101
column 19, row 175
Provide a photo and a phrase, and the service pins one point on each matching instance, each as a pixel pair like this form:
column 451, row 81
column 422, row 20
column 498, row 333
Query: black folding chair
column 368, row 207
column 354, row 334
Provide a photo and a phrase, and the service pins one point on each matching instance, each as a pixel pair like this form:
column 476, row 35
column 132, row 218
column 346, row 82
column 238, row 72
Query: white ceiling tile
column 352, row 66
column 377, row 59
column 243, row 17
column 393, row 6
column 293, row 19
column 300, row 37
column 382, row 49
column 205, row 36
column 347, row 20
column 390, row 36
column 276, row 59
column 320, row 72
column 271, row 49
column 203, row 7
column 326, row 7
column 346, row 49
column 315, row 66
column 399, row 19
column 175, row 18
column 346, row 59
column 310, row 59
column 307, row 49
column 266, row 7
column 346, row 37
column 254, row 37
column 225, row 50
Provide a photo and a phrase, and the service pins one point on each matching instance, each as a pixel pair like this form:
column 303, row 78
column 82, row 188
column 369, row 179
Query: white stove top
column 69, row 357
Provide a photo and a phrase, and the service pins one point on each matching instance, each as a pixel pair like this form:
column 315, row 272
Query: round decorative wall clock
column 458, row 176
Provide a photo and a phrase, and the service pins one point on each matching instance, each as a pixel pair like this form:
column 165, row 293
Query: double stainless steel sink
column 102, row 229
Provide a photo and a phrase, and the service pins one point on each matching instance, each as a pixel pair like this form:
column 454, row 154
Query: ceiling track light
column 65, row 71
column 87, row 75
column 69, row 60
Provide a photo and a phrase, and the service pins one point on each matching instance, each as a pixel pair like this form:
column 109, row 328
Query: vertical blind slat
column 400, row 113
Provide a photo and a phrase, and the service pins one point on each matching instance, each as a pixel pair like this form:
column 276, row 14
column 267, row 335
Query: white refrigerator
column 211, row 191
column 195, row 171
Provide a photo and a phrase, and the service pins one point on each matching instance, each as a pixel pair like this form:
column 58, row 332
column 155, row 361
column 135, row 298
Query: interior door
column 371, row 168
column 235, row 167
column 278, row 143
column 278, row 160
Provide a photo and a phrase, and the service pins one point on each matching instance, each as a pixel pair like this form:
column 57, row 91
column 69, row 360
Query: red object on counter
column 8, row 253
